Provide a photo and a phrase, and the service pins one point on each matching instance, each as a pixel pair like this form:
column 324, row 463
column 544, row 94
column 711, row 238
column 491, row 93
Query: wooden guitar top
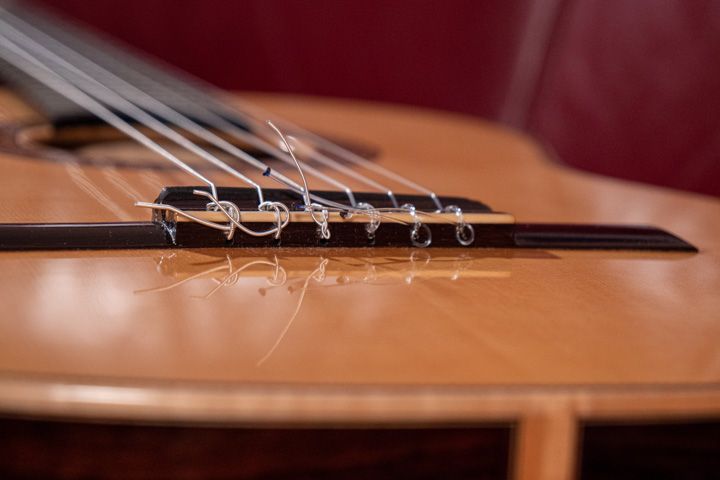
column 363, row 335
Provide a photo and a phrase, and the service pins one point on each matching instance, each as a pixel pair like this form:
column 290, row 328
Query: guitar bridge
column 181, row 217
column 185, row 215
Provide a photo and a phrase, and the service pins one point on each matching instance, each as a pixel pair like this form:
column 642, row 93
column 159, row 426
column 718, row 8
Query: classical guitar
column 202, row 285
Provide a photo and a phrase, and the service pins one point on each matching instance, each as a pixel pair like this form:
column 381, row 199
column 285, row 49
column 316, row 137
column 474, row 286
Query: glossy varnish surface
column 91, row 314
column 380, row 335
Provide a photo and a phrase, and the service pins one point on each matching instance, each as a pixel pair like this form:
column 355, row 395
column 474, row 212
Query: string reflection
column 300, row 274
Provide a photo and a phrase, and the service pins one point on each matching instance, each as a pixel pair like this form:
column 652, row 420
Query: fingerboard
column 126, row 63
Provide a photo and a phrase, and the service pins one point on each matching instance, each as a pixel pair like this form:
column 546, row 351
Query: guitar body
column 266, row 363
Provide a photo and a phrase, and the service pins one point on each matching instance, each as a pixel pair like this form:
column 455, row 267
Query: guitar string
column 106, row 114
column 205, row 93
column 140, row 115
column 180, row 119
column 195, row 93
column 23, row 60
column 333, row 147
column 79, row 79
column 18, row 57
column 148, row 102
column 95, row 89
column 242, row 116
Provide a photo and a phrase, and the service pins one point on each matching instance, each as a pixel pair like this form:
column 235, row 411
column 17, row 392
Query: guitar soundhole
column 102, row 145
column 45, row 449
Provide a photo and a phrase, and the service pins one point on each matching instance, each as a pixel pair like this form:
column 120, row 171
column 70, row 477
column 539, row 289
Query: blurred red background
column 623, row 88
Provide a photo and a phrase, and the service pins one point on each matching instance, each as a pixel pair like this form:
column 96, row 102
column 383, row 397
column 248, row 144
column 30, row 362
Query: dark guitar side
column 65, row 450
